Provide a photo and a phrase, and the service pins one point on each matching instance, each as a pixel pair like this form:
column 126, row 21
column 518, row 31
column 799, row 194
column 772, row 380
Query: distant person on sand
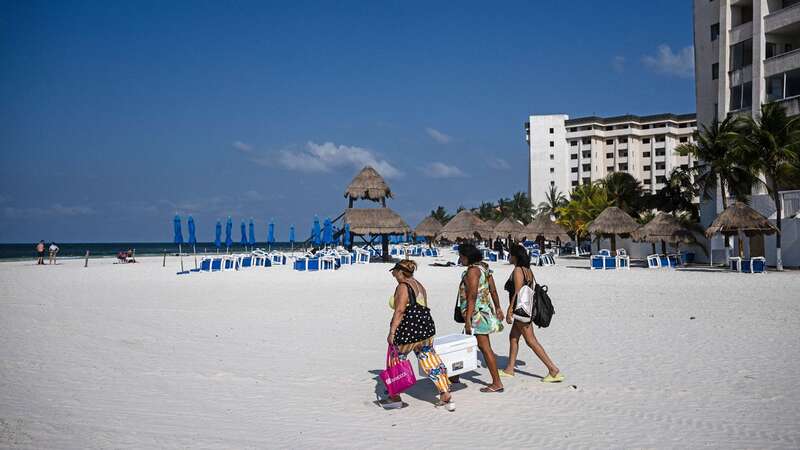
column 53, row 252
column 480, row 307
column 522, row 275
column 40, row 253
column 409, row 332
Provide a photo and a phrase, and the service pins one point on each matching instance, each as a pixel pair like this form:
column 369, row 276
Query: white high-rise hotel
column 747, row 53
column 567, row 152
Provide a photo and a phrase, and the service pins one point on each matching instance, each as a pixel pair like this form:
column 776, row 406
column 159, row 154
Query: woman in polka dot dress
column 412, row 329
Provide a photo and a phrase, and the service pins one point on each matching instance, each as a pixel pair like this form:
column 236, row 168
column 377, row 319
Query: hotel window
column 647, row 181
column 623, row 166
column 742, row 54
column 552, row 183
column 587, row 167
column 646, row 168
column 741, row 96
column 609, row 128
column 623, row 140
column 772, row 49
column 587, row 141
column 683, row 125
column 684, row 139
column 552, row 156
column 623, row 153
column 552, row 170
column 610, row 169
column 774, row 87
column 573, row 156
column 660, row 138
column 684, row 167
column 609, row 142
column 551, row 131
column 552, row 144
column 646, row 141
column 661, row 166
column 572, row 129
column 587, row 154
column 573, row 143
column 623, row 127
column 659, row 179
column 646, row 155
column 609, row 155
column 793, row 83
column 574, row 170
column 646, row 126
column 715, row 71
column 715, row 31
column 661, row 152
column 587, row 180
column 575, row 183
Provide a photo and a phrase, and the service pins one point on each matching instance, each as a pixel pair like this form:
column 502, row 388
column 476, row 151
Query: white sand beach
column 133, row 356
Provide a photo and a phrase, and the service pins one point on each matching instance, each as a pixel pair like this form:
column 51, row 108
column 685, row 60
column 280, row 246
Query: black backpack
column 542, row 307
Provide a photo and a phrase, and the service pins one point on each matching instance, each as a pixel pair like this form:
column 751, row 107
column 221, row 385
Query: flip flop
column 558, row 378
column 504, row 374
column 450, row 406
column 488, row 389
column 388, row 404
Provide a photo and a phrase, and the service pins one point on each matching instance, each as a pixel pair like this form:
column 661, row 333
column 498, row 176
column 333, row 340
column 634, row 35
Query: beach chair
column 278, row 258
column 597, row 262
column 547, row 259
column 675, row 260
column 735, row 263
column 245, row 261
column 345, row 258
column 758, row 265
column 259, row 258
column 664, row 261
column 206, row 264
column 610, row 263
column 493, row 256
column 229, row 263
column 362, row 256
column 746, row 266
column 653, row 262
column 327, row 262
column 623, row 260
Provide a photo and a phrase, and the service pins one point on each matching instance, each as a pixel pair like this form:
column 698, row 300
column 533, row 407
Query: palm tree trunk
column 724, row 207
column 613, row 243
column 778, row 212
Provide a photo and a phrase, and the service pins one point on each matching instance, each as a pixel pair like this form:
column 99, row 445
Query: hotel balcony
column 783, row 19
column 782, row 63
column 791, row 104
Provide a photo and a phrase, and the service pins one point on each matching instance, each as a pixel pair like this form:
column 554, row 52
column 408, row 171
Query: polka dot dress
column 417, row 324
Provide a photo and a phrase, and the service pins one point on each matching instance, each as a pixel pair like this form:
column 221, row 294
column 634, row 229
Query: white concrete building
column 566, row 152
column 747, row 52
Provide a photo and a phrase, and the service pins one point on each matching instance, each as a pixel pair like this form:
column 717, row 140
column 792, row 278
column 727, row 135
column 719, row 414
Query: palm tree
column 521, row 208
column 716, row 166
column 624, row 191
column 441, row 215
column 677, row 195
column 772, row 142
column 586, row 202
column 553, row 199
column 487, row 211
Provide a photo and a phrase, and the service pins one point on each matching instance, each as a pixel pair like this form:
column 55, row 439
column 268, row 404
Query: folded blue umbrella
column 243, row 241
column 327, row 232
column 316, row 237
column 271, row 233
column 192, row 237
column 252, row 233
column 229, row 233
column 178, row 234
column 291, row 234
column 346, row 234
column 218, row 235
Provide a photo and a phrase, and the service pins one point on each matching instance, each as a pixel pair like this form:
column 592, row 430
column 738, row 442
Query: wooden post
column 164, row 264
column 86, row 262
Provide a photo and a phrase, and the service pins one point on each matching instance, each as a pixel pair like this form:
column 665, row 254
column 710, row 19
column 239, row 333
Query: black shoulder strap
column 412, row 296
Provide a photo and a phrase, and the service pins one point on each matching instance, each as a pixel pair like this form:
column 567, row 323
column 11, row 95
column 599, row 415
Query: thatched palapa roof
column 464, row 226
column 664, row 227
column 543, row 226
column 369, row 185
column 490, row 223
column 613, row 221
column 509, row 226
column 740, row 217
column 429, row 227
column 375, row 221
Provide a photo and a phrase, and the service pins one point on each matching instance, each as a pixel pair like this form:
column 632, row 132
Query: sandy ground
column 133, row 356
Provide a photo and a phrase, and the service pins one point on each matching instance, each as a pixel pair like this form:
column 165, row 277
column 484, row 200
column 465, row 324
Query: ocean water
column 97, row 250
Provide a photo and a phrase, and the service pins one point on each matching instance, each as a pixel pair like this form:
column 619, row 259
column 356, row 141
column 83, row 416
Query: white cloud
column 438, row 136
column 56, row 209
column 442, row 170
column 243, row 147
column 329, row 156
column 499, row 164
column 618, row 63
column 680, row 64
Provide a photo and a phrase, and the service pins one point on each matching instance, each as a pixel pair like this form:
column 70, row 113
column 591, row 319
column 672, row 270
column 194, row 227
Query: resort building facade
column 747, row 53
column 565, row 153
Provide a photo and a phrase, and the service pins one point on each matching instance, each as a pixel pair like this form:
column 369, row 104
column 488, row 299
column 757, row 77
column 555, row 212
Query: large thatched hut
column 613, row 222
column 375, row 221
column 546, row 228
column 664, row 228
column 509, row 227
column 737, row 218
column 368, row 185
column 465, row 225
column 428, row 228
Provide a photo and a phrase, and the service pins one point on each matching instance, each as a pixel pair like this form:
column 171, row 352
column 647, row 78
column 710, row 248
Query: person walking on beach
column 522, row 275
column 40, row 253
column 53, row 252
column 409, row 333
column 480, row 307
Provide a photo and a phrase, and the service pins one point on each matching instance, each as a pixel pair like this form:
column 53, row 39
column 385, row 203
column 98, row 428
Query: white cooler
column 459, row 352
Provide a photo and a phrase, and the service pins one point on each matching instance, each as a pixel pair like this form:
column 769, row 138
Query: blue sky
column 116, row 115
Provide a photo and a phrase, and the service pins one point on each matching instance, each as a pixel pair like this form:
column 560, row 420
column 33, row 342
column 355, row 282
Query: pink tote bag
column 399, row 377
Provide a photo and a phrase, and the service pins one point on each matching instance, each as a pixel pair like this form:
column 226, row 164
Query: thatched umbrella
column 664, row 228
column 376, row 221
column 464, row 226
column 509, row 226
column 543, row 226
column 737, row 218
column 490, row 223
column 368, row 185
column 612, row 222
column 429, row 228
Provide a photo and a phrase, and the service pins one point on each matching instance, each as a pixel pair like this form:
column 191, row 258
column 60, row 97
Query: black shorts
column 41, row 254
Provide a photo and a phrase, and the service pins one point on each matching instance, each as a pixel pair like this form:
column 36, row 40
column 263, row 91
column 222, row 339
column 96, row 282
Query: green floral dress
column 483, row 319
